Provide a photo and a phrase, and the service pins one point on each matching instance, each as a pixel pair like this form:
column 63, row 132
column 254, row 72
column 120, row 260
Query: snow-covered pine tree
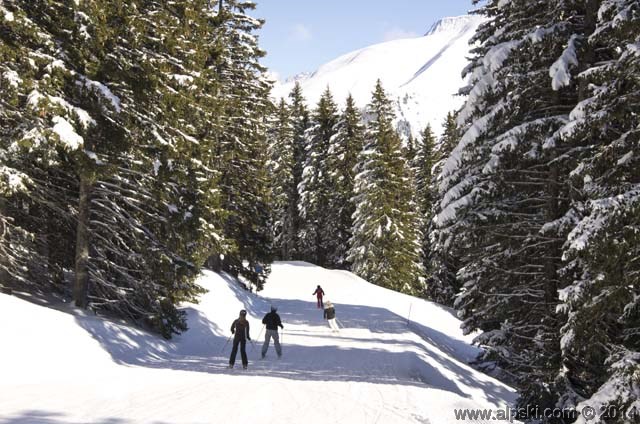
column 410, row 149
column 385, row 246
column 344, row 148
column 24, row 154
column 165, row 200
column 442, row 284
column 450, row 137
column 243, row 150
column 317, row 228
column 281, row 164
column 62, row 120
column 503, row 192
column 601, row 363
column 423, row 164
column 103, row 105
column 300, row 121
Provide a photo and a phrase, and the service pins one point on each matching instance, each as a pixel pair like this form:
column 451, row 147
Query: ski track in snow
column 67, row 367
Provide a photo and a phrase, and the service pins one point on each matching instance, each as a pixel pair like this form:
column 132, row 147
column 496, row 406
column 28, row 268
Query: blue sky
column 300, row 35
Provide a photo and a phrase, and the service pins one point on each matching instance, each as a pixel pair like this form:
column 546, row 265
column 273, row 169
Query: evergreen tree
column 450, row 136
column 423, row 164
column 316, row 186
column 281, row 167
column 547, row 157
column 345, row 147
column 385, row 246
column 103, row 102
column 601, row 362
column 503, row 192
column 163, row 189
column 411, row 149
column 300, row 123
column 25, row 154
column 442, row 285
column 243, row 148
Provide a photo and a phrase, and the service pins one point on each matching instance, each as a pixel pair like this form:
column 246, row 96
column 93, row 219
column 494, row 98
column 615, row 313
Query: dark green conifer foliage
column 450, row 136
column 243, row 147
column 502, row 188
column 344, row 150
column 442, row 284
column 385, row 246
column 316, row 188
column 164, row 186
column 108, row 111
column 600, row 362
column 423, row 164
column 281, row 168
column 519, row 192
column 300, row 121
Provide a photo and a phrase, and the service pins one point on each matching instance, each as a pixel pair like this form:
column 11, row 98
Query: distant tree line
column 348, row 193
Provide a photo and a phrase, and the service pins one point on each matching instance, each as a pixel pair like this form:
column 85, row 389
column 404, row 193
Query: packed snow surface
column 397, row 359
column 422, row 75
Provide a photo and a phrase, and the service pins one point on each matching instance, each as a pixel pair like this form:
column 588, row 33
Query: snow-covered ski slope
column 422, row 75
column 60, row 367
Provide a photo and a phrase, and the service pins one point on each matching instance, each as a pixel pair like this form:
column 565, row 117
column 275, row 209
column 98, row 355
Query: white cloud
column 301, row 32
column 396, row 33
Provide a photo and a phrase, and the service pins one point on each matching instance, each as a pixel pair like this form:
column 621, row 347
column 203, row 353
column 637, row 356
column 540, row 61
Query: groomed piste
column 396, row 359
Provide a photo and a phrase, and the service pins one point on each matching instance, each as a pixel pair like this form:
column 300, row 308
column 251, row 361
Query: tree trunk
column 553, row 213
column 215, row 263
column 81, row 287
column 590, row 22
column 55, row 258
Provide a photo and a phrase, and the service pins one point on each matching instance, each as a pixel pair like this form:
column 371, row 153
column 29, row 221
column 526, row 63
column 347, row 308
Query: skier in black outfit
column 272, row 321
column 240, row 329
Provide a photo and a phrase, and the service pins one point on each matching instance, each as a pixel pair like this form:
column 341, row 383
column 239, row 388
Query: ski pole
column 253, row 345
column 225, row 344
column 261, row 330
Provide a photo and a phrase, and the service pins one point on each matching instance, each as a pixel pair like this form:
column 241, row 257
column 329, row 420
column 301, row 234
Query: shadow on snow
column 205, row 348
column 47, row 417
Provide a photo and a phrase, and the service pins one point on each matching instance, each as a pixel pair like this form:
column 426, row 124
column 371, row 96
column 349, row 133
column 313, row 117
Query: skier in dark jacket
column 272, row 322
column 240, row 329
column 319, row 293
column 330, row 316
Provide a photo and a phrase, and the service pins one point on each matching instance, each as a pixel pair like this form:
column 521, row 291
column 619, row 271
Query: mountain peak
column 452, row 24
column 298, row 77
column 422, row 74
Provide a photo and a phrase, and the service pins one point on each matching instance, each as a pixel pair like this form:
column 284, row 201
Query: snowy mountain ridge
column 422, row 75
column 453, row 23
